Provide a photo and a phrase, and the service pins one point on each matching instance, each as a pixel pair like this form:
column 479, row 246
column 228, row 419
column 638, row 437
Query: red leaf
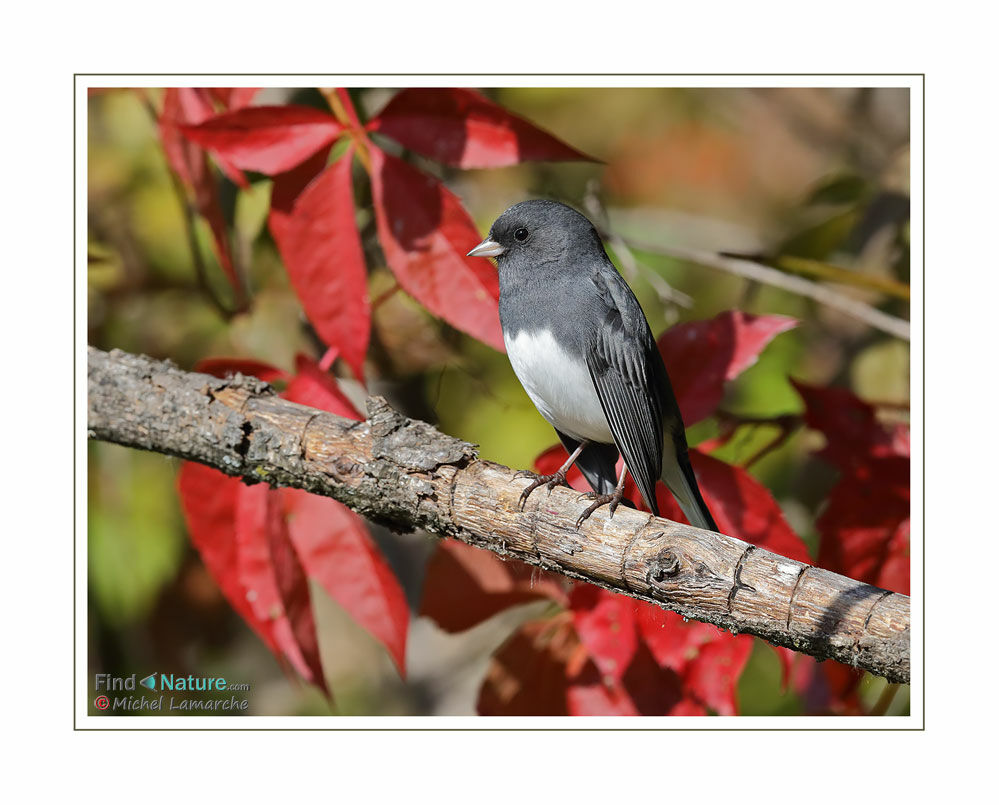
column 744, row 508
column 673, row 642
column 528, row 674
column 322, row 251
column 605, row 622
column 865, row 526
column 266, row 139
column 286, row 190
column 208, row 499
column 190, row 163
column 226, row 367
column 645, row 689
column 549, row 668
column 234, row 97
column 688, row 707
column 462, row 128
column 338, row 553
column 826, row 687
column 189, row 106
column 588, row 695
column 293, row 587
column 843, row 683
column 894, row 572
column 183, row 105
column 785, row 657
column 260, row 549
column 465, row 586
column 713, row 675
column 900, row 440
column 865, row 534
column 853, row 433
column 654, row 690
column 709, row 659
column 240, row 533
column 313, row 387
column 701, row 355
column 425, row 234
column 644, row 652
column 348, row 106
column 254, row 553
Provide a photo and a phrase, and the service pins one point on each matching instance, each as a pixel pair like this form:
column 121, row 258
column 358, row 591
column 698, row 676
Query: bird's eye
column 520, row 234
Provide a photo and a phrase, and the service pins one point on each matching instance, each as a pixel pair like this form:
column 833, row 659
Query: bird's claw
column 551, row 481
column 613, row 500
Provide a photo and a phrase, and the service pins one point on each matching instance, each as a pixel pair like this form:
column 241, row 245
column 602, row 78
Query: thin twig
column 827, row 272
column 805, row 266
column 788, row 282
column 632, row 267
column 190, row 227
column 729, row 423
column 200, row 269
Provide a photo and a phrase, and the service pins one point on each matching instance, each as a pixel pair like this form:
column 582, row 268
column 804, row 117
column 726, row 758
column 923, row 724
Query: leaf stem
column 385, row 296
column 344, row 111
column 885, row 700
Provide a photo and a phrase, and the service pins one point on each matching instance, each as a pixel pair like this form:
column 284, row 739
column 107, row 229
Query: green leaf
column 823, row 239
column 135, row 540
column 845, row 189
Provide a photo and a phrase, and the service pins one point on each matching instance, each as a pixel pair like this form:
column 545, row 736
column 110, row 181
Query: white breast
column 558, row 385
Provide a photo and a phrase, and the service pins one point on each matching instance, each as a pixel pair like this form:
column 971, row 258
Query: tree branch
column 407, row 475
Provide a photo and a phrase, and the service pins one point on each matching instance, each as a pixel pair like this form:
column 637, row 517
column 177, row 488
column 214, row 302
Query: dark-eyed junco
column 581, row 347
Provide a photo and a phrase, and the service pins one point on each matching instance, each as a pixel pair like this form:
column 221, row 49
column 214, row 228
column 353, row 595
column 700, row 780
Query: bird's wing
column 625, row 366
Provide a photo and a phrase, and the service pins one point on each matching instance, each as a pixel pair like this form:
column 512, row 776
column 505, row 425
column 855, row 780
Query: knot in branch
column 665, row 564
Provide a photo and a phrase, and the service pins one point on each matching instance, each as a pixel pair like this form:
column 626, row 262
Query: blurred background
column 820, row 175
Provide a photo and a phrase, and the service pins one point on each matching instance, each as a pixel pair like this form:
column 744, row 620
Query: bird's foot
column 551, row 481
column 614, row 499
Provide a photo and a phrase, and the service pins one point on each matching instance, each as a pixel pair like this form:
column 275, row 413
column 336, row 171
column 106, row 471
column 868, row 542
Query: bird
column 581, row 347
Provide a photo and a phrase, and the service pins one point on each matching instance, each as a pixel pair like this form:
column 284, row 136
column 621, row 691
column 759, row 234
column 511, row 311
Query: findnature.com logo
column 132, row 699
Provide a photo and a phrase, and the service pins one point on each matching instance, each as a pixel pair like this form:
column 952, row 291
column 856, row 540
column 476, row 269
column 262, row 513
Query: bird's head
column 538, row 231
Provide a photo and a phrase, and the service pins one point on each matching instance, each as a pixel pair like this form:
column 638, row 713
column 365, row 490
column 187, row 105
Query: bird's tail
column 678, row 475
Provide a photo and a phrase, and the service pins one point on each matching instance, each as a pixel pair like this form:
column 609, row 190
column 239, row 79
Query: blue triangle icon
column 149, row 682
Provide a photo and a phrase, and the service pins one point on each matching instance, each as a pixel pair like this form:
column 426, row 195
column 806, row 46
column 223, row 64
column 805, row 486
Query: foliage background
column 720, row 169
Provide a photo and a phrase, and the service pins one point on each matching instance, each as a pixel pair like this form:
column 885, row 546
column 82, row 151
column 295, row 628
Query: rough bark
column 407, row 475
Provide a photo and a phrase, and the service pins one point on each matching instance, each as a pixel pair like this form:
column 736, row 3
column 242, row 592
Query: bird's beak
column 488, row 248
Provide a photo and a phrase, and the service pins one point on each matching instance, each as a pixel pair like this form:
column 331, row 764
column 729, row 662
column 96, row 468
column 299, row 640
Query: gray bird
column 582, row 349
